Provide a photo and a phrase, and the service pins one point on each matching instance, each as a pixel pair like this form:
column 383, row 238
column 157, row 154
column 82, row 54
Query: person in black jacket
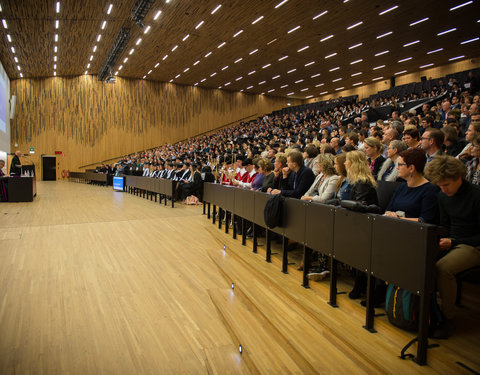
column 361, row 181
column 16, row 165
column 297, row 178
column 193, row 187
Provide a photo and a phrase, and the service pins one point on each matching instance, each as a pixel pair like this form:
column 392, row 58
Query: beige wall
column 373, row 88
column 90, row 121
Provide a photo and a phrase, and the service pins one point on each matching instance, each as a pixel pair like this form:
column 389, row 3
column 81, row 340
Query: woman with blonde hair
column 360, row 179
column 373, row 149
column 324, row 186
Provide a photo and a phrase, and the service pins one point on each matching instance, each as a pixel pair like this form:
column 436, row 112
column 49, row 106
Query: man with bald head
column 16, row 166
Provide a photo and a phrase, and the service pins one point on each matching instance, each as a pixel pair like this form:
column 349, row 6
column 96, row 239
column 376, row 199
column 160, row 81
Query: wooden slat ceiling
column 31, row 26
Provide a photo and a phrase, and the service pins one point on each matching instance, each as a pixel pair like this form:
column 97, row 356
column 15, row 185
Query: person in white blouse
column 324, row 186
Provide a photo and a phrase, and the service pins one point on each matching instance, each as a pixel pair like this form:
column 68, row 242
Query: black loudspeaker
column 392, row 82
column 423, row 78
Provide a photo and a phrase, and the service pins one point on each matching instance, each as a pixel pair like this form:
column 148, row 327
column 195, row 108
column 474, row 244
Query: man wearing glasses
column 432, row 143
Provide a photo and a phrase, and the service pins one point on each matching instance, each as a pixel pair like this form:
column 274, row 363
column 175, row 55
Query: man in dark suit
column 297, row 178
column 16, row 165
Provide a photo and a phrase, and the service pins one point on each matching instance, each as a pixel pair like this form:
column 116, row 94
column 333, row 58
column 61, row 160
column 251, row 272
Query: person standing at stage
column 3, row 187
column 16, row 166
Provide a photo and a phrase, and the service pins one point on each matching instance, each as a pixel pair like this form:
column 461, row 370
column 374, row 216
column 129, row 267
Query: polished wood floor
column 100, row 282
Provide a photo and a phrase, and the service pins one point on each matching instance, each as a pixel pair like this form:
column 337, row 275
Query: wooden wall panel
column 437, row 72
column 91, row 121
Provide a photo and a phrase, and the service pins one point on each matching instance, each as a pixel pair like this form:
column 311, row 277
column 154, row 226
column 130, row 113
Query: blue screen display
column 118, row 183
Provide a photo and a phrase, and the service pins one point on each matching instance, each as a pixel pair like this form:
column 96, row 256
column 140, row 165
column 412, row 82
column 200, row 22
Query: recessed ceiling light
column 419, row 21
column 354, row 25
column 309, row 96
column 303, row 48
column 379, row 67
column 388, row 10
column 57, row 24
column 333, row 69
column 12, row 49
column 199, row 25
column 109, row 8
column 261, row 83
column 272, row 41
column 249, row 87
column 339, row 88
column 446, row 31
column 376, row 79
column 216, row 8
column 315, row 75
column 271, row 90
column 54, row 73
column 461, row 5
column 238, row 60
column 300, row 80
column 195, row 84
column 322, row 93
column 258, row 19
column 291, row 71
column 320, row 85
column 305, row 89
column 426, row 65
column 282, row 58
column 57, row 7
column 456, row 58
column 9, row 38
column 116, row 73
column 21, row 75
column 171, row 80
column 56, row 37
column 358, row 83
column 156, row 65
column 221, row 44
column 469, row 41
column 254, row 51
column 139, row 40
column 277, row 76
column 55, row 58
column 164, row 57
column 104, row 24
column 55, row 49
column 411, row 43
column 336, row 79
column 401, row 72
column 196, row 62
column 178, row 75
column 252, row 72
column 144, row 77
column 16, row 59
column 88, row 66
column 225, row 67
column 186, row 70
column 213, row 74
column 279, row 5
column 331, row 55
column 435, row 50
column 282, row 87
column 226, row 84
column 157, row 15
column 131, row 51
column 385, row 34
column 185, row 37
column 99, row 36
column 291, row 93
column 405, row 59
column 19, row 68
column 310, row 63
column 381, row 53
column 294, row 29
column 147, row 29
column 356, row 74
column 355, row 46
column 266, row 66
column 4, row 22
column 208, row 54
column 149, row 71
column 356, row 61
column 203, row 80
column 321, row 14
column 237, row 33
column 326, row 38
column 120, row 67
column 174, row 47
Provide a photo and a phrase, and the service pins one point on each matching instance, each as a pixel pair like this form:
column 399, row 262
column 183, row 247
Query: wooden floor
column 100, row 282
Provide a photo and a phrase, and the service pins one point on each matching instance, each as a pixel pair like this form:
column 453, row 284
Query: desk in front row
column 20, row 189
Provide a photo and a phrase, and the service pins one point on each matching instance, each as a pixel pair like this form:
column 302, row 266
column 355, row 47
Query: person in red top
column 248, row 176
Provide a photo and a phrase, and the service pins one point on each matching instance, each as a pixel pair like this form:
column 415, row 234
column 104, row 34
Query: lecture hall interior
column 165, row 166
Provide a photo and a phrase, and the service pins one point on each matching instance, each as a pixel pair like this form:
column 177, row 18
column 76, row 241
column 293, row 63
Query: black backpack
column 273, row 212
